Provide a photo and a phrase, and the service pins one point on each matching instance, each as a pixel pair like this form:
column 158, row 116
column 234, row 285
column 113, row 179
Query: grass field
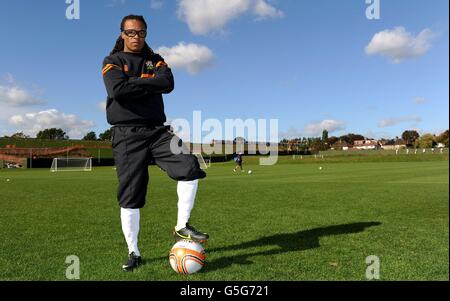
column 290, row 221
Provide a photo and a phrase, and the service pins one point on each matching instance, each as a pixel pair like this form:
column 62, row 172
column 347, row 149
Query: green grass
column 290, row 221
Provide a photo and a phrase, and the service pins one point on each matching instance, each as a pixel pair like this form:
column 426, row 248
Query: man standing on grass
column 135, row 78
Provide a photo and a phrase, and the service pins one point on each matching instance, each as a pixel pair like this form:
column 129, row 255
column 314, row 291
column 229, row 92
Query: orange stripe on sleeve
column 160, row 63
column 147, row 75
column 109, row 67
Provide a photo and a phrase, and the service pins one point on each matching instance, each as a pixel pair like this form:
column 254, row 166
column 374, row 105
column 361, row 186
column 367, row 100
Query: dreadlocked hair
column 120, row 45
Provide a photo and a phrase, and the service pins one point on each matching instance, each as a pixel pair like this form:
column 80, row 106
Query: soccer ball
column 320, row 168
column 250, row 171
column 187, row 257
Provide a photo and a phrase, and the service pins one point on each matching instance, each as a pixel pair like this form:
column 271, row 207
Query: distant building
column 366, row 144
column 393, row 144
column 340, row 145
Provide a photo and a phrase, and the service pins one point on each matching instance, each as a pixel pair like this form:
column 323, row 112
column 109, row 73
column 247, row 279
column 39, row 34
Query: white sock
column 186, row 191
column 130, row 227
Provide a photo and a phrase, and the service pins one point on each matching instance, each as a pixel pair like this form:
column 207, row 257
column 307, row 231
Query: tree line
column 409, row 138
column 60, row 134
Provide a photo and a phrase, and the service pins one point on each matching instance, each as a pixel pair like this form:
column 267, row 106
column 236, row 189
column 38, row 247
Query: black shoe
column 133, row 262
column 190, row 233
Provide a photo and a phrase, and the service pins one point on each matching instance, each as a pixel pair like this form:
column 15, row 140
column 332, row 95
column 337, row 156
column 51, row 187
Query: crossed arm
column 122, row 87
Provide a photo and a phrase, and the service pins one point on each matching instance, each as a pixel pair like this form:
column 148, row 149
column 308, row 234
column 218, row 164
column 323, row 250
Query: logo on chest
column 148, row 66
column 147, row 69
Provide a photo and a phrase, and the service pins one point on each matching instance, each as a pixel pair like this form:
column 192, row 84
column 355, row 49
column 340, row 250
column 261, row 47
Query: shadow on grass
column 286, row 242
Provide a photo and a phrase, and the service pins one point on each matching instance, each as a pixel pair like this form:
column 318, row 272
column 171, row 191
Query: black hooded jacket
column 135, row 86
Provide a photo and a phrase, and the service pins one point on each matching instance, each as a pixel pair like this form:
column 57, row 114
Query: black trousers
column 134, row 147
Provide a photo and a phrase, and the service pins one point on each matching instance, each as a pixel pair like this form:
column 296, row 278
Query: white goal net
column 71, row 164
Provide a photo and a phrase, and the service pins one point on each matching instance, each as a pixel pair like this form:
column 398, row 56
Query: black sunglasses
column 132, row 33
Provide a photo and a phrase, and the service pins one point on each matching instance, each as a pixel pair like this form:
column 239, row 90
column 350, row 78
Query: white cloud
column 102, row 106
column 378, row 135
column 204, row 16
column 313, row 129
column 32, row 123
column 156, row 4
column 394, row 121
column 316, row 129
column 398, row 44
column 420, row 100
column 12, row 94
column 191, row 57
column 264, row 10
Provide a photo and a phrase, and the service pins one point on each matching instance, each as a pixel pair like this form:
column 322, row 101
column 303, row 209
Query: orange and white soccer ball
column 187, row 257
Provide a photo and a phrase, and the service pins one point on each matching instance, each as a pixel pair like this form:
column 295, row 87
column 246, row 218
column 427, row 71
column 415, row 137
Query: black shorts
column 134, row 147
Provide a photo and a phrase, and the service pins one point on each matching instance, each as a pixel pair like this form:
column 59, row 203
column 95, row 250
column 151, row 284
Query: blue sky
column 312, row 65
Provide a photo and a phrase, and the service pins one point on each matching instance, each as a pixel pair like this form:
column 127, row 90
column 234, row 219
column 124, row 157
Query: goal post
column 71, row 164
